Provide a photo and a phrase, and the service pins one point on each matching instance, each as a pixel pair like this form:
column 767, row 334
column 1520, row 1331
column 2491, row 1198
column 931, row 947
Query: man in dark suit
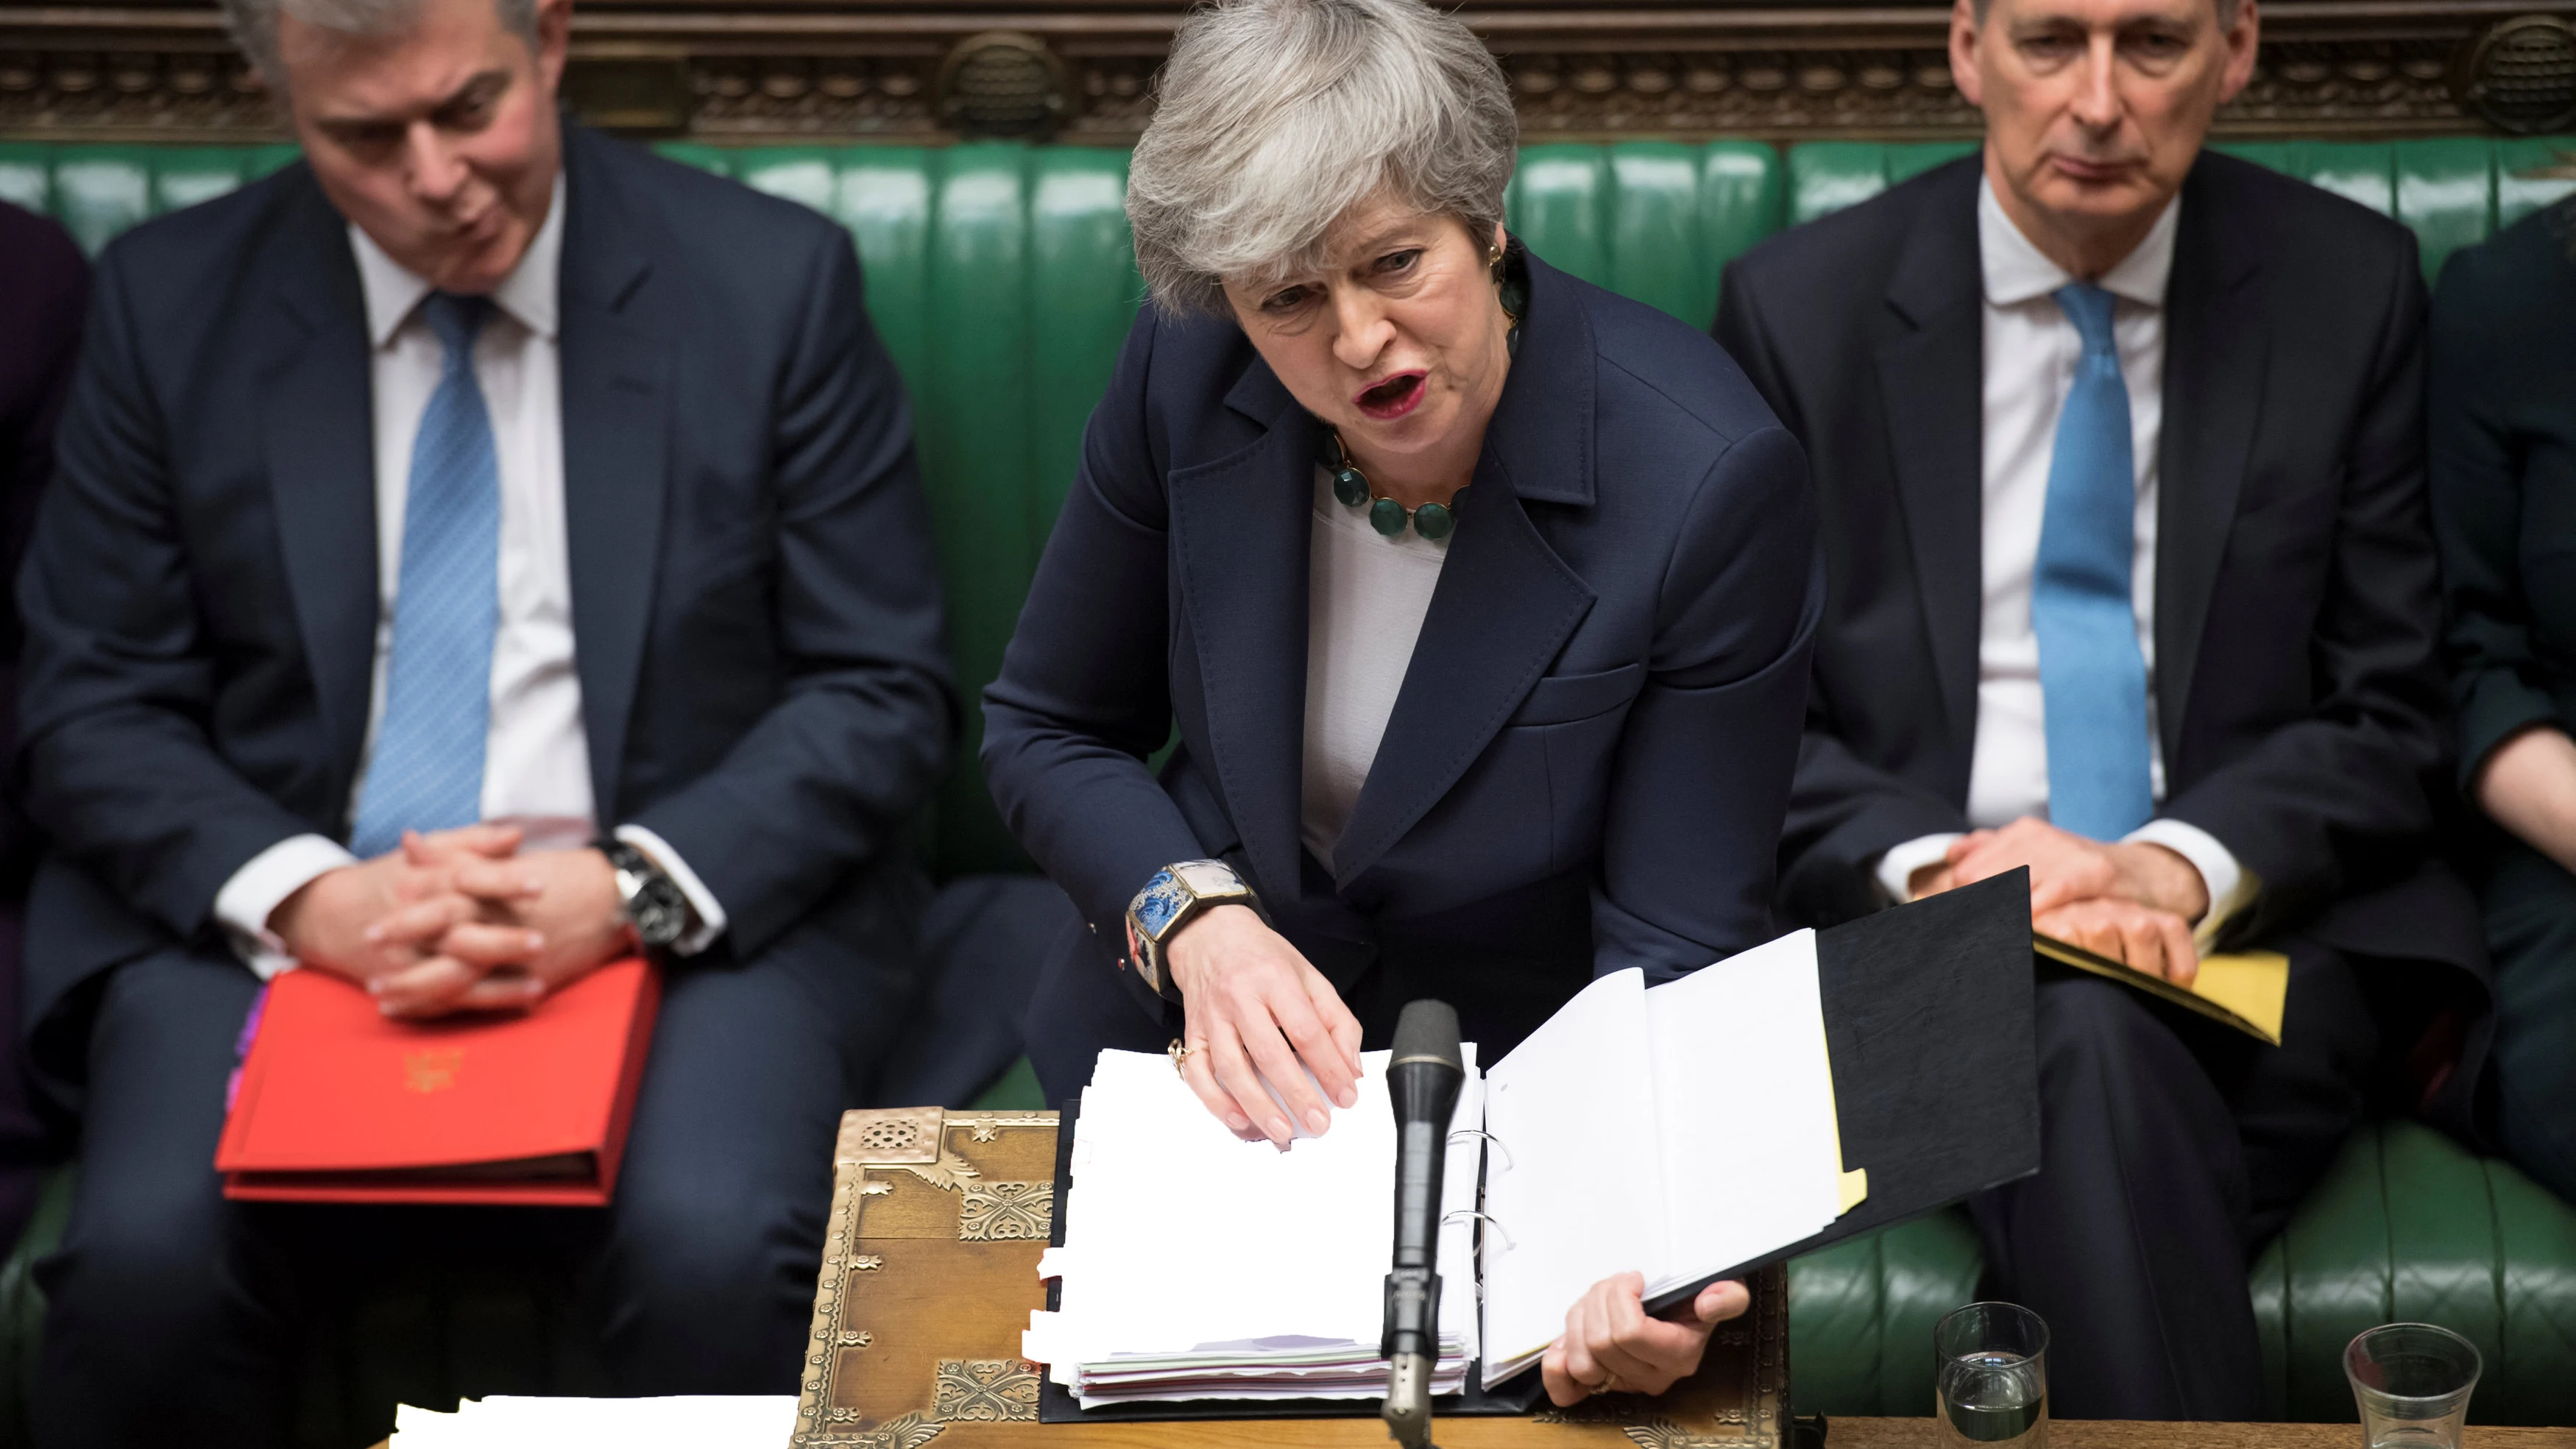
column 44, row 294
column 478, row 551
column 2119, row 460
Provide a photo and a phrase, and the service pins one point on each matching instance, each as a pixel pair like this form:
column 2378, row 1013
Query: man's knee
column 142, row 1264
column 150, row 1232
column 2090, row 1026
column 687, row 1243
column 707, row 1283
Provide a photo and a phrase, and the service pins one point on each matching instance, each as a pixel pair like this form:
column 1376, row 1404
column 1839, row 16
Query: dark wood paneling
column 911, row 70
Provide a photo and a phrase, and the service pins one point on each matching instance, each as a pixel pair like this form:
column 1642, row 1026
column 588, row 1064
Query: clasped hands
column 2134, row 902
column 1267, row 1036
column 459, row 920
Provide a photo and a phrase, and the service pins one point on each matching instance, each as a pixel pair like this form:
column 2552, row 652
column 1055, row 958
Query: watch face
column 1162, row 901
column 660, row 913
column 1207, row 879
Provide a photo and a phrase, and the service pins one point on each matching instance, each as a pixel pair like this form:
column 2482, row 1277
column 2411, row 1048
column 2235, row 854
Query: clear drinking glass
column 2412, row 1383
column 1993, row 1388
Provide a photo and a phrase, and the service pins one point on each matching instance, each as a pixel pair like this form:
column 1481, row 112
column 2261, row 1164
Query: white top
column 536, row 758
column 2031, row 350
column 1366, row 596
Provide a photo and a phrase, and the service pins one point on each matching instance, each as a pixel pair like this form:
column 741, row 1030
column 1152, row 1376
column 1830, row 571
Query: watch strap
column 1176, row 895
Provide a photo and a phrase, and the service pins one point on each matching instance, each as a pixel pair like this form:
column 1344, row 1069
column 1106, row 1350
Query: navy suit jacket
column 2299, row 698
column 1587, row 764
column 755, row 602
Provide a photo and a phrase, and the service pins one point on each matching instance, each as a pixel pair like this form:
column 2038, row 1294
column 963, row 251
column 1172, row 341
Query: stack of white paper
column 1196, row 1266
column 761, row 1422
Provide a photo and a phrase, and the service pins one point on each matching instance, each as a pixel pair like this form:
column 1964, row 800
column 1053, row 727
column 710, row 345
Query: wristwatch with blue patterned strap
column 1177, row 894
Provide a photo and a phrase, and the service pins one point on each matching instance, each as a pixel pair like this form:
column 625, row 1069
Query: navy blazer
column 2299, row 698
column 1588, row 762
column 753, row 588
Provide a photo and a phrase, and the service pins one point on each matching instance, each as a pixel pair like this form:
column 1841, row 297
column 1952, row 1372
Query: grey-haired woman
column 1481, row 599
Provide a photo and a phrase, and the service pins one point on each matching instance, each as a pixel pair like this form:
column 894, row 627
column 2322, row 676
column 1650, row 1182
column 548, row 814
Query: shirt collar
column 2016, row 271
column 528, row 294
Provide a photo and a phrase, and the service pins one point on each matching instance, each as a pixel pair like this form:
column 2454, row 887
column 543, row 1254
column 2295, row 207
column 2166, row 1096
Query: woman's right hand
column 1257, row 1010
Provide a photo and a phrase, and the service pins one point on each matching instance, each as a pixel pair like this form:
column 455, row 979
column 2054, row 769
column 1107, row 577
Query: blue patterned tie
column 427, row 771
column 2092, row 677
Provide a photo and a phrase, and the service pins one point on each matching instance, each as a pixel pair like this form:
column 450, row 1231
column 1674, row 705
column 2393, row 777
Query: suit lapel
column 1240, row 535
column 1931, row 375
column 319, row 428
column 2216, row 350
column 1504, row 606
column 616, row 363
column 1505, row 603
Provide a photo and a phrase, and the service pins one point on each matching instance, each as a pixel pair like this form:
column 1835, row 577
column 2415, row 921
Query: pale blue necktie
column 427, row 771
column 2092, row 677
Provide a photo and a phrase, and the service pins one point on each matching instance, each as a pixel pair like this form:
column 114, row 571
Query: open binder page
column 1744, row 1110
column 1573, row 1182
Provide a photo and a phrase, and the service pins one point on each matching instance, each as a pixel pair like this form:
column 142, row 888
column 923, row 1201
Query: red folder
column 338, row 1103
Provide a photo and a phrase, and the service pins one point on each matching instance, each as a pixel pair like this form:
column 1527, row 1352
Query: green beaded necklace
column 1433, row 521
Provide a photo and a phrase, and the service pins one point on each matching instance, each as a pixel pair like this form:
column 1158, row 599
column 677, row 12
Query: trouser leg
column 2530, row 909
column 29, row 1140
column 2172, row 1148
column 162, row 1325
column 2295, row 1103
column 2129, row 1242
column 705, row 1278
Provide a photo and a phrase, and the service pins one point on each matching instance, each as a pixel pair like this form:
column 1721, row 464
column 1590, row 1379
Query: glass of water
column 2411, row 1382
column 1993, row 1388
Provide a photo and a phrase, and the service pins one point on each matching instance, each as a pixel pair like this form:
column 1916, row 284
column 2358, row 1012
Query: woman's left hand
column 1612, row 1345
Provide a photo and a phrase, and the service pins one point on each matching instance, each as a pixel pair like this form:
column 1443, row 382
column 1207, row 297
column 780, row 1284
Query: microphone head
column 1428, row 1031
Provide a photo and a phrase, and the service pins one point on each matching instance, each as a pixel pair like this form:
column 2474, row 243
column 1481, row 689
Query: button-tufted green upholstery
column 1001, row 279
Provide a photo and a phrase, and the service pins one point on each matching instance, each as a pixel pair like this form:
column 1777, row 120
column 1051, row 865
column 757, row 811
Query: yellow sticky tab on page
column 1855, row 1186
column 1852, row 1185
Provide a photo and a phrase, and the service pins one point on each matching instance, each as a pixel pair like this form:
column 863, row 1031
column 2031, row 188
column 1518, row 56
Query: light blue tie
column 2092, row 677
column 427, row 771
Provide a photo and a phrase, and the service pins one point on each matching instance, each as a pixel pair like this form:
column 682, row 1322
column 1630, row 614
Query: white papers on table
column 1673, row 1132
column 1197, row 1266
column 697, row 1422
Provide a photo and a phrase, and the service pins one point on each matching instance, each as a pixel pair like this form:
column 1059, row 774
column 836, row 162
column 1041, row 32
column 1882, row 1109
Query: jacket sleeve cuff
column 255, row 891
column 2231, row 887
column 1895, row 869
column 702, row 902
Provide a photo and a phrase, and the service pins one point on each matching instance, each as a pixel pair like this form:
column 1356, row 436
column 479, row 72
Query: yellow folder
column 2244, row 989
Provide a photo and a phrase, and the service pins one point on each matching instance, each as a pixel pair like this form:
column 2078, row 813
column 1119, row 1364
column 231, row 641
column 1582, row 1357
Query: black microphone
column 1423, row 1076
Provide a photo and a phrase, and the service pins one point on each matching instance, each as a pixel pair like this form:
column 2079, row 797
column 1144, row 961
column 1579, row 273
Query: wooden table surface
column 1840, row 1434
column 2122, row 1434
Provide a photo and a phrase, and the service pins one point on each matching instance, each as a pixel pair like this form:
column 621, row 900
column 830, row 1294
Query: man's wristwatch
column 1178, row 894
column 648, row 900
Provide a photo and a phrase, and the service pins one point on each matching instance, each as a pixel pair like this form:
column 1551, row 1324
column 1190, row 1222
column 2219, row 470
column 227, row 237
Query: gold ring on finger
column 1179, row 1052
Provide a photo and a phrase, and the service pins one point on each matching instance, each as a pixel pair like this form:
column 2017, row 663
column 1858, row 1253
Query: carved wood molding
column 779, row 70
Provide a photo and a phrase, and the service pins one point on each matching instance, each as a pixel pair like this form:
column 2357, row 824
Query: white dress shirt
column 1366, row 596
column 2031, row 351
column 536, row 757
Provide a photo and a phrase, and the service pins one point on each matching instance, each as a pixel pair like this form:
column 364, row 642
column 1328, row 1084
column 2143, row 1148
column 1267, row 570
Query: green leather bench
column 1001, row 279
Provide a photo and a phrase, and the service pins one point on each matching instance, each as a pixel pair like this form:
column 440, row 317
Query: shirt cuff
column 2230, row 885
column 1895, row 869
column 702, row 902
column 256, row 890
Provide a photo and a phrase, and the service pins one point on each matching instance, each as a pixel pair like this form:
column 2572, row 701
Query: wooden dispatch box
column 930, row 1271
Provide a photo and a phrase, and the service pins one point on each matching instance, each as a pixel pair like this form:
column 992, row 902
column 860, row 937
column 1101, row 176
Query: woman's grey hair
column 1274, row 117
column 254, row 23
